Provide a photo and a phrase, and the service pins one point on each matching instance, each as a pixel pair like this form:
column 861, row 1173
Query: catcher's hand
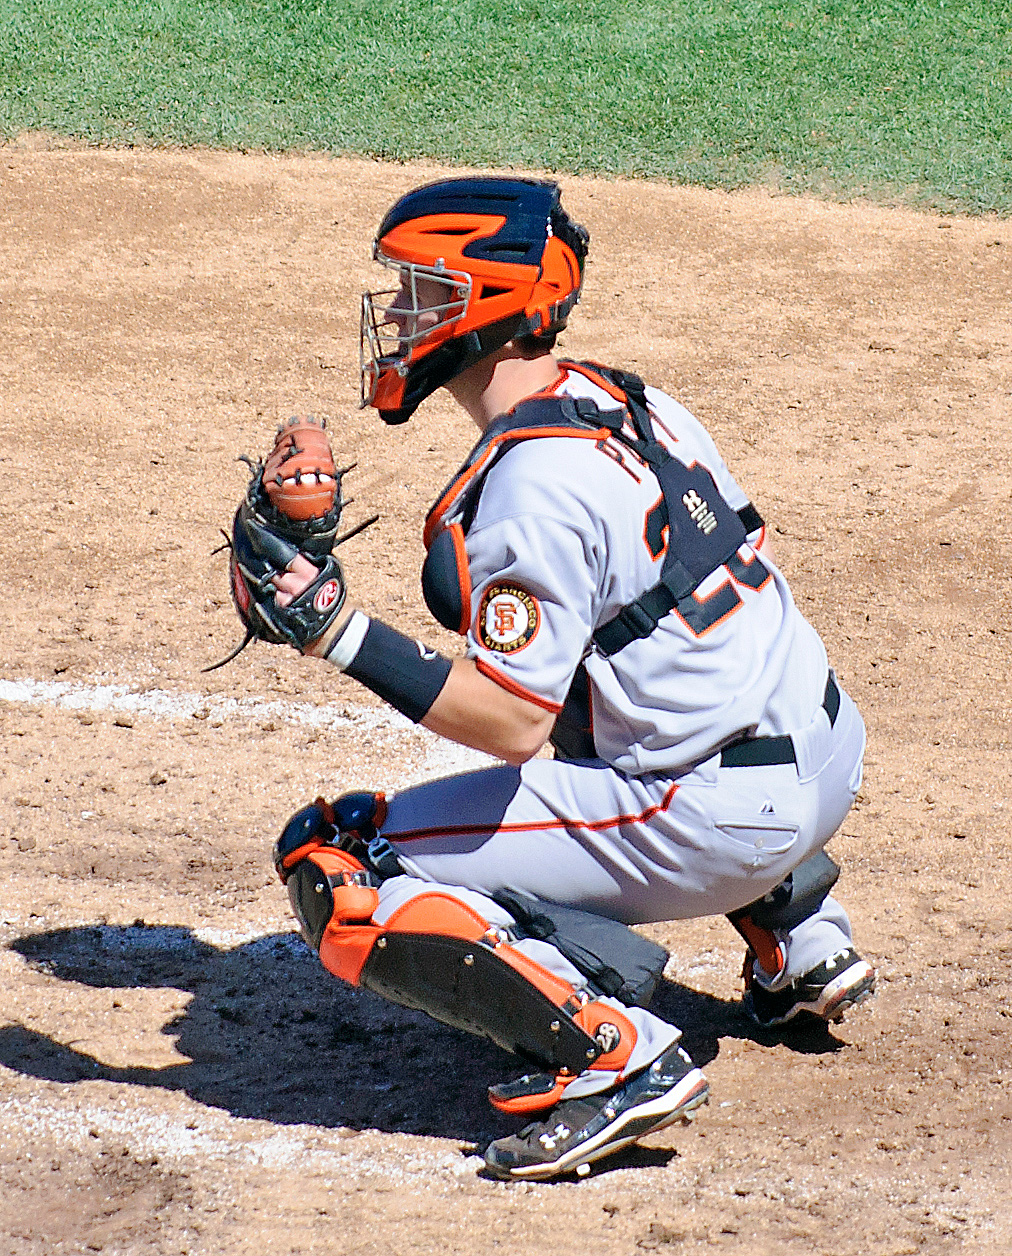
column 292, row 508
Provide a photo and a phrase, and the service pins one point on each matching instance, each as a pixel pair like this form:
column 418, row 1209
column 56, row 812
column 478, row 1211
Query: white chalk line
column 441, row 757
column 166, row 704
column 218, row 1138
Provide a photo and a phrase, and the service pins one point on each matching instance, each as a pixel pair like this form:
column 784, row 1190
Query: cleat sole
column 640, row 1120
column 854, row 986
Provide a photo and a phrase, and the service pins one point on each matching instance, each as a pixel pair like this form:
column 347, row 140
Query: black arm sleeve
column 401, row 671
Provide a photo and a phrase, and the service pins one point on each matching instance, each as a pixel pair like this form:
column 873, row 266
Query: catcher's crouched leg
column 423, row 947
column 840, row 981
column 765, row 923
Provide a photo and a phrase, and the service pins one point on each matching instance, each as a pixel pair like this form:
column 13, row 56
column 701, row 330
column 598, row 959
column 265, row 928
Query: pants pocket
column 755, row 844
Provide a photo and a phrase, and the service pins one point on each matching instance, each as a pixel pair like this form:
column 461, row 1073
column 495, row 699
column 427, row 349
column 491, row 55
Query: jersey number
column 702, row 614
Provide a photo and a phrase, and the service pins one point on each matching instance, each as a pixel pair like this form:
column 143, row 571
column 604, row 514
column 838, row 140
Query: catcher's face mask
column 398, row 324
column 480, row 262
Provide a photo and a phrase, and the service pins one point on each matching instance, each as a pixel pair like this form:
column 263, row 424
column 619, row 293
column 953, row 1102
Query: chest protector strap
column 703, row 531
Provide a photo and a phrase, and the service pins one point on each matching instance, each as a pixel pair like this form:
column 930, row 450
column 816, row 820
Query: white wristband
column 342, row 652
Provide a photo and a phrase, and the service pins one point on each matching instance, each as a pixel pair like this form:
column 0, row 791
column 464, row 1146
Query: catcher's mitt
column 292, row 506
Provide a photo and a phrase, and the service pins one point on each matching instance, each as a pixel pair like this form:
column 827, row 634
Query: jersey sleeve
column 534, row 589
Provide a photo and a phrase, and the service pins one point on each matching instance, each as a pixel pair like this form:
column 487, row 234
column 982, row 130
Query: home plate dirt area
column 177, row 1074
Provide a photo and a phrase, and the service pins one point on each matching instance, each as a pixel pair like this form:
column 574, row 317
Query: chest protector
column 702, row 531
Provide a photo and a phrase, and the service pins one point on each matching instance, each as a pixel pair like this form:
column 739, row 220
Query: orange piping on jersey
column 588, row 373
column 518, row 691
column 592, row 826
column 463, row 577
column 437, row 512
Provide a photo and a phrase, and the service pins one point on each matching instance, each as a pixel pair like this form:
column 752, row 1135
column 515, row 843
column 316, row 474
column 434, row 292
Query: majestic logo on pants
column 508, row 618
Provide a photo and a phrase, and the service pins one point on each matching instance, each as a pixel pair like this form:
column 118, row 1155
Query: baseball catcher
column 617, row 596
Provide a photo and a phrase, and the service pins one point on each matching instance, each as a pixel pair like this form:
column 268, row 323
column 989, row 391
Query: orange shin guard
column 437, row 954
column 762, row 943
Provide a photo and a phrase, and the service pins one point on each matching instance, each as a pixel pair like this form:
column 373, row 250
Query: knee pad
column 331, row 894
column 309, row 828
column 799, row 896
column 349, row 822
column 358, row 818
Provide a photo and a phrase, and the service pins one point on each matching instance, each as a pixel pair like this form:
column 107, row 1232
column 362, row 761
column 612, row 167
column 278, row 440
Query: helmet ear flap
column 557, row 289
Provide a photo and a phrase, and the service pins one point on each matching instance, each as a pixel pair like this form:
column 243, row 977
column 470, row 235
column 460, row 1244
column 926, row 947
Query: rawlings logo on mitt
column 292, row 507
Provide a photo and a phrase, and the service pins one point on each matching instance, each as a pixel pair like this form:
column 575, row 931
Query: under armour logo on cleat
column 548, row 1141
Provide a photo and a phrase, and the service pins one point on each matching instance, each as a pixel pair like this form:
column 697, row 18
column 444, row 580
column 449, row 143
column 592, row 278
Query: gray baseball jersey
column 569, row 530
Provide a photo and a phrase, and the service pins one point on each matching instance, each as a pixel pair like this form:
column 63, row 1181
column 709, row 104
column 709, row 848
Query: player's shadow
column 270, row 1035
column 705, row 1019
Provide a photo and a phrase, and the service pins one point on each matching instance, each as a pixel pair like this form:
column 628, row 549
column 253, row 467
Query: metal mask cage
column 395, row 323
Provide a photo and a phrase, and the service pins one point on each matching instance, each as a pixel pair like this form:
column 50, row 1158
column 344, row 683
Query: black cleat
column 577, row 1132
column 827, row 991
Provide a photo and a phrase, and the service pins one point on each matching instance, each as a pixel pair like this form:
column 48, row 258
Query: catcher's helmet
column 481, row 261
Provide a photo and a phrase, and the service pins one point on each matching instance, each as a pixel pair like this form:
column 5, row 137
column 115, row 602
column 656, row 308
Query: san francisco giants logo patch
column 508, row 618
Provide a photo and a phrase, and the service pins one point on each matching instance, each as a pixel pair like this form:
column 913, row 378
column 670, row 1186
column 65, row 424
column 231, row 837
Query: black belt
column 755, row 752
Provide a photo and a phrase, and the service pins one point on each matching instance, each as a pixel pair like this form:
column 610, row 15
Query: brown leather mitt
column 292, row 506
column 299, row 476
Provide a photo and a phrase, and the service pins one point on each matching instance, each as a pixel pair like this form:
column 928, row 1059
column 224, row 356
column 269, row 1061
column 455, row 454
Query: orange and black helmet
column 481, row 261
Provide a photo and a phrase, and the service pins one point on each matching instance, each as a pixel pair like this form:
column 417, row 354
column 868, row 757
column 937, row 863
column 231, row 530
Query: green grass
column 899, row 100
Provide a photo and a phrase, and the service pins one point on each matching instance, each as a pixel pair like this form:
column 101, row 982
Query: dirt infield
column 176, row 1074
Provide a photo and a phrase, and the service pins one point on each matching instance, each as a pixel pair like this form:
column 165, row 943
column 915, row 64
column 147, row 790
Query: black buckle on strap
column 755, row 752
